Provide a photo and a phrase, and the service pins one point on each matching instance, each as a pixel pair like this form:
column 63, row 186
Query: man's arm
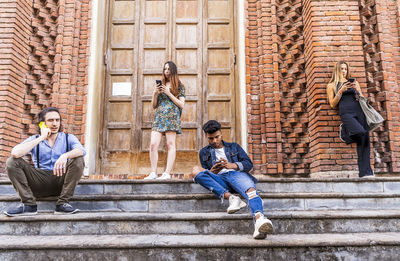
column 24, row 148
column 245, row 164
column 60, row 166
column 203, row 163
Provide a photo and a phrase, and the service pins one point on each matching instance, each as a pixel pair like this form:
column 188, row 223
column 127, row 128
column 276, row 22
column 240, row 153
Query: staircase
column 314, row 219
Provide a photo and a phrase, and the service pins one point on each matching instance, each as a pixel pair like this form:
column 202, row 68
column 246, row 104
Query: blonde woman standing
column 168, row 101
column 344, row 91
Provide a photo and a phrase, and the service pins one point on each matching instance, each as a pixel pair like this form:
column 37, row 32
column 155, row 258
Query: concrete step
column 209, row 203
column 285, row 222
column 267, row 185
column 348, row 246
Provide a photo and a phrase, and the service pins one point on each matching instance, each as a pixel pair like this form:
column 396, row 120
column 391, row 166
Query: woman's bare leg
column 154, row 144
column 171, row 146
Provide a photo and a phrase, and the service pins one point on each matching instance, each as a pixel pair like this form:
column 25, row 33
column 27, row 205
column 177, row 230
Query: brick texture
column 14, row 33
column 44, row 63
column 291, row 48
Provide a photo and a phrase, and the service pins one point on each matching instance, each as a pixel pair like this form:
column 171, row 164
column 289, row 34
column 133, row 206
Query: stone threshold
column 260, row 179
column 85, row 242
column 143, row 216
column 278, row 195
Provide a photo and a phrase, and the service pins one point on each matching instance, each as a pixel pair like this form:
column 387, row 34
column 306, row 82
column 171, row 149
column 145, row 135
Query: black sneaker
column 344, row 135
column 341, row 133
column 65, row 209
column 22, row 210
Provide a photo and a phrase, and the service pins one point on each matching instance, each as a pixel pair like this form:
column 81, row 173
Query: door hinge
column 234, row 59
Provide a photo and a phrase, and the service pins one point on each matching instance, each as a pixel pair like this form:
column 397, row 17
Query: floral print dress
column 168, row 115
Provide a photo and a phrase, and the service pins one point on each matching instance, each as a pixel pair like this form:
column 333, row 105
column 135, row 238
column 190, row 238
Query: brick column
column 257, row 24
column 44, row 63
column 332, row 33
column 380, row 31
column 14, row 33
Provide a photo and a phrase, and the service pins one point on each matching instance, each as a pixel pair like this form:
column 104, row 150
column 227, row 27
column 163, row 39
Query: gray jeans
column 31, row 182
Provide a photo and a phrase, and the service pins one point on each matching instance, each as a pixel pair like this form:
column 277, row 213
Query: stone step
column 209, row 203
column 285, row 222
column 348, row 246
column 267, row 185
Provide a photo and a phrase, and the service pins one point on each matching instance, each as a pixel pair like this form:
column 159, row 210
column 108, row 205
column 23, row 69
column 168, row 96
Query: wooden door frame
column 97, row 83
column 103, row 86
column 96, row 72
column 240, row 72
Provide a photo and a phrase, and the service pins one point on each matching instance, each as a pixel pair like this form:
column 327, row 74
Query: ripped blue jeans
column 233, row 182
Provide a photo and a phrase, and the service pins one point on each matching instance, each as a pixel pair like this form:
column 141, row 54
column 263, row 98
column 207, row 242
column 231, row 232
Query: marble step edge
column 97, row 197
column 155, row 241
column 207, row 216
column 260, row 180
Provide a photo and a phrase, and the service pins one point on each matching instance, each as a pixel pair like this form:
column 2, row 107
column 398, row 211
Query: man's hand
column 45, row 133
column 60, row 166
column 216, row 168
column 228, row 165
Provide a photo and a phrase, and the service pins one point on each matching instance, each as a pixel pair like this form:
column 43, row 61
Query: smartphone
column 351, row 80
column 42, row 125
column 158, row 82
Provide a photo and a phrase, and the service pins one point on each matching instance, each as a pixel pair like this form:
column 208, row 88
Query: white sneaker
column 235, row 204
column 165, row 175
column 152, row 175
column 368, row 177
column 262, row 227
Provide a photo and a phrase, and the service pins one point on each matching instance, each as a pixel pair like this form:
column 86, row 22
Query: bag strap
column 37, row 149
column 66, row 140
column 338, row 86
column 37, row 153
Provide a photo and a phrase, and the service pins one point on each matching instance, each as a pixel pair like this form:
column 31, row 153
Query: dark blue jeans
column 232, row 181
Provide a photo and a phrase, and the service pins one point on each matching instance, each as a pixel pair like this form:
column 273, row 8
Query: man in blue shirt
column 59, row 164
column 224, row 171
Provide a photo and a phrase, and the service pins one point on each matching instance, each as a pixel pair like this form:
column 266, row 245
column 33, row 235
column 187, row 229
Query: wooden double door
column 141, row 35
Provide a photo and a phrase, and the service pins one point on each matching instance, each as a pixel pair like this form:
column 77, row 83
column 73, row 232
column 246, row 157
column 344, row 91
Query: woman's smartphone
column 158, row 82
column 351, row 80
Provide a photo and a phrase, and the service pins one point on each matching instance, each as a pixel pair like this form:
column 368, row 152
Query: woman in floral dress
column 168, row 101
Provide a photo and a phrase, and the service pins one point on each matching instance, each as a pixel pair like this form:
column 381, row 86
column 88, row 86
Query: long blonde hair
column 337, row 74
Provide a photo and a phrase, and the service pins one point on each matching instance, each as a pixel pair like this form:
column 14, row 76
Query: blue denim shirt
column 234, row 153
column 49, row 155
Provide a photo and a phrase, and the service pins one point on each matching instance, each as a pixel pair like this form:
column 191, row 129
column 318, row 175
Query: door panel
column 142, row 35
column 219, row 77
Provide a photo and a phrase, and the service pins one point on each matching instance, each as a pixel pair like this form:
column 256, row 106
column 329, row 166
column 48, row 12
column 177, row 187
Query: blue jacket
column 234, row 154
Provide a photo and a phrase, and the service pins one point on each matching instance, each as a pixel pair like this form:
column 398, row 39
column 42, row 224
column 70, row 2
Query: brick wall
column 291, row 48
column 44, row 63
column 15, row 30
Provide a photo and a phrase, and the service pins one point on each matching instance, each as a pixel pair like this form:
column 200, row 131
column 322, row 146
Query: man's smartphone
column 158, row 82
column 42, row 125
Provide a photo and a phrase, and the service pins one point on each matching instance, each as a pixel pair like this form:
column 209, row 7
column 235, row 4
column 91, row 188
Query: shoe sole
column 266, row 228
column 66, row 213
column 234, row 210
column 260, row 236
column 163, row 178
column 19, row 215
column 340, row 132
